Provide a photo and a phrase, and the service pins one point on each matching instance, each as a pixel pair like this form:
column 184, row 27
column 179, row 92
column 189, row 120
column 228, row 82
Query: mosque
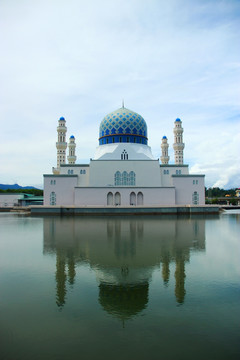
column 123, row 171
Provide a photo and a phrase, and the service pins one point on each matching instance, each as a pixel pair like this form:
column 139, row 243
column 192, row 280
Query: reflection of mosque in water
column 123, row 253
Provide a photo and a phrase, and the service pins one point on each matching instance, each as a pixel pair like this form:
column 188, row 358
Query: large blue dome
column 123, row 125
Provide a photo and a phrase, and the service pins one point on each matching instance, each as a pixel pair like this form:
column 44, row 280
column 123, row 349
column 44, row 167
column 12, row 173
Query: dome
column 72, row 137
column 164, row 137
column 178, row 119
column 123, row 125
column 62, row 118
column 123, row 301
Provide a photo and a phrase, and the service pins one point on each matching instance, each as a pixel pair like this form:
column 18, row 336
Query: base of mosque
column 124, row 210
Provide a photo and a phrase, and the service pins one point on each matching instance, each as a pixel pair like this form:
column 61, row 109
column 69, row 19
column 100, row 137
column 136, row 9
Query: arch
column 110, row 198
column 117, row 178
column 53, row 198
column 132, row 178
column 140, row 198
column 124, row 178
column 132, row 198
column 117, row 198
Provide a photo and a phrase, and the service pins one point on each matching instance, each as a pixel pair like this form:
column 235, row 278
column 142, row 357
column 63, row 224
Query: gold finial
column 123, row 103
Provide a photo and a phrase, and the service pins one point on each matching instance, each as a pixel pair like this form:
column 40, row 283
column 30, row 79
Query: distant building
column 123, row 170
column 19, row 199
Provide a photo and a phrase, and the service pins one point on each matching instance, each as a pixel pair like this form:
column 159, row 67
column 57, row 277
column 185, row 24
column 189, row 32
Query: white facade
column 9, row 199
column 123, row 171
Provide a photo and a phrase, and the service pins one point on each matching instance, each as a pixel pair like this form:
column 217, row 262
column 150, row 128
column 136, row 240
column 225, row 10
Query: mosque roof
column 123, row 121
column 178, row 119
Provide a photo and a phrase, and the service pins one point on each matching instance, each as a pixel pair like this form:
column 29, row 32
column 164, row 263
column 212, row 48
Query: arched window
column 53, row 198
column 124, row 178
column 117, row 198
column 110, row 198
column 132, row 198
column 195, row 198
column 140, row 198
column 118, row 178
column 132, row 178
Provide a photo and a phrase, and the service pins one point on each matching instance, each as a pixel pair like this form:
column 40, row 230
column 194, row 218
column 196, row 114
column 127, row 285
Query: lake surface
column 120, row 287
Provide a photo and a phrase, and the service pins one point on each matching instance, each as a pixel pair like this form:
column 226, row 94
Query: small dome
column 62, row 118
column 72, row 137
column 123, row 125
column 178, row 119
column 164, row 137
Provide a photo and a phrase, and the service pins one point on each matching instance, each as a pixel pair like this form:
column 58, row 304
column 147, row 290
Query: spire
column 123, row 103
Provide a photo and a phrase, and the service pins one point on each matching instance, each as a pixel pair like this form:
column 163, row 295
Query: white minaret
column 61, row 144
column 71, row 147
column 164, row 158
column 178, row 145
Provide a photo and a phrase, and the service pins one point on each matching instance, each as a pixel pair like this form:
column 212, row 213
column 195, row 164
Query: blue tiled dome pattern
column 123, row 121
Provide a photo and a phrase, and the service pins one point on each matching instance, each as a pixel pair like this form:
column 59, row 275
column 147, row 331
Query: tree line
column 217, row 192
column 35, row 192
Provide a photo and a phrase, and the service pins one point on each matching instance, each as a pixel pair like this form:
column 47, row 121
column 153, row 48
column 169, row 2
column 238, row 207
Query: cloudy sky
column 79, row 59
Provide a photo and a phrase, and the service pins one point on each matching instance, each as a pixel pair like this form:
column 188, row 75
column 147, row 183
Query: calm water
column 119, row 288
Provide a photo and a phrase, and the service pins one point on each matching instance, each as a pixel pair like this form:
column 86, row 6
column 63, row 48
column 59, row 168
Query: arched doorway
column 117, row 198
column 132, row 198
column 140, row 198
column 110, row 198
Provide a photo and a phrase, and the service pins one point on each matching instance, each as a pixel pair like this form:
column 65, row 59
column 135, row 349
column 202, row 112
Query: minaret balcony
column 62, row 128
column 61, row 145
column 71, row 159
column 178, row 130
column 178, row 146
